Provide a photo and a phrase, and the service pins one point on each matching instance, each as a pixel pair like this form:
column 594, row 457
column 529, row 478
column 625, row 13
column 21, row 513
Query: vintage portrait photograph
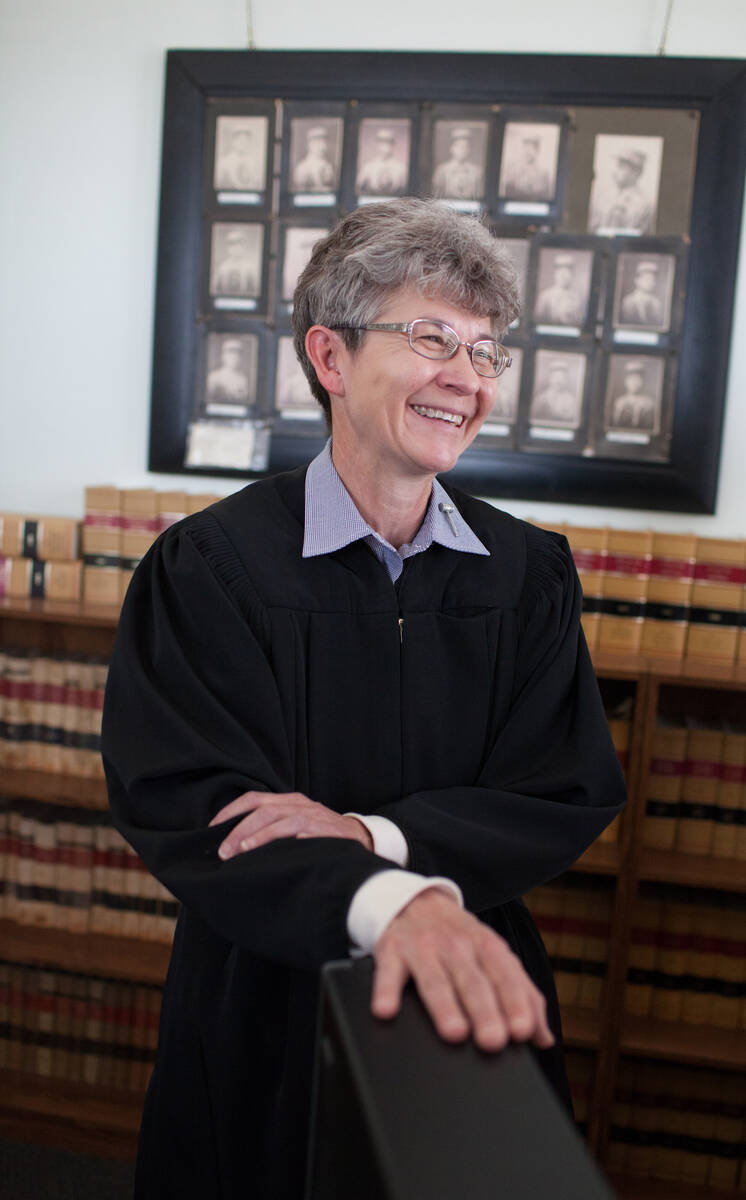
column 557, row 398
column 626, row 182
column 563, row 286
column 634, row 393
column 643, row 292
column 299, row 243
column 517, row 251
column 459, row 159
column 292, row 394
column 240, row 154
column 528, row 166
column 505, row 409
column 315, row 153
column 231, row 372
column 236, row 259
column 383, row 153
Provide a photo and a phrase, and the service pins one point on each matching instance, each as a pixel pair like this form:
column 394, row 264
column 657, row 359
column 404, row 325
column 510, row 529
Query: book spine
column 699, row 790
column 664, row 787
column 731, row 785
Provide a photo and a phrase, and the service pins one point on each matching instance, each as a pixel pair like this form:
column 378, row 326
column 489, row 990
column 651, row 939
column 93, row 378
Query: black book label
column 622, row 608
column 30, row 539
column 723, row 617
column 667, row 612
column 38, row 576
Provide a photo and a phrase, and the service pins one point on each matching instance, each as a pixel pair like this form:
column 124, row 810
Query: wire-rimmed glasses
column 435, row 339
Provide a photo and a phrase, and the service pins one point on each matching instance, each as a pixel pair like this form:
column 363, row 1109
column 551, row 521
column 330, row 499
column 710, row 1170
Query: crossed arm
column 468, row 978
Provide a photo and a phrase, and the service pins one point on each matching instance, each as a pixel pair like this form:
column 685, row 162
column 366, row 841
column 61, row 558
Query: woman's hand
column 273, row 815
column 468, row 978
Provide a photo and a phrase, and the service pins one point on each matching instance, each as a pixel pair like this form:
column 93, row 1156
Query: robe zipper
column 401, row 631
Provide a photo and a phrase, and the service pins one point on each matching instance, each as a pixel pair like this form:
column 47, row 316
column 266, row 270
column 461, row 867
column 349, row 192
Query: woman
column 341, row 700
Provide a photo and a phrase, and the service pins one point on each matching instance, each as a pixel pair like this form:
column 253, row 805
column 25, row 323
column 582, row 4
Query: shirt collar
column 332, row 520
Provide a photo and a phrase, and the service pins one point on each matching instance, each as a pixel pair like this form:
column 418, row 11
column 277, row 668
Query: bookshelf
column 104, row 1119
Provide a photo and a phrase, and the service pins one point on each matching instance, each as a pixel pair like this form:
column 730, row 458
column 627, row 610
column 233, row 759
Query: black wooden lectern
column 400, row 1115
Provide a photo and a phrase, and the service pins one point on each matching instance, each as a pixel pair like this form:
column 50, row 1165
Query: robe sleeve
column 192, row 718
column 551, row 781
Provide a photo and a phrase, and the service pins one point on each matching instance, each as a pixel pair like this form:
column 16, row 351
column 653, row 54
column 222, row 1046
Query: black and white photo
column 459, row 157
column 634, row 393
column 236, row 259
column 241, row 153
column 293, row 396
column 231, row 379
column 626, row 181
column 563, row 287
column 643, row 291
column 557, row 399
column 383, row 154
column 528, row 166
column 298, row 247
column 505, row 409
column 517, row 250
column 315, row 153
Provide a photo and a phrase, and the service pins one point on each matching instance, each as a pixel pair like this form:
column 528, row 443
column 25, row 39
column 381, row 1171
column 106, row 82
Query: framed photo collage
column 593, row 202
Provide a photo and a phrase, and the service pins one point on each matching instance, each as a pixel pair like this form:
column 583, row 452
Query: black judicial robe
column 461, row 704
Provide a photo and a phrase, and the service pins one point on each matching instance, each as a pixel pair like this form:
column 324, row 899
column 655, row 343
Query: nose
column 459, row 374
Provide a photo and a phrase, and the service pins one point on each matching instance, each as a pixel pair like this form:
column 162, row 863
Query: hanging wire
column 664, row 32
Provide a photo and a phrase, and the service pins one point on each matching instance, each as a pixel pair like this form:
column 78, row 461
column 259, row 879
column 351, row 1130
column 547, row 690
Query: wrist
column 361, row 833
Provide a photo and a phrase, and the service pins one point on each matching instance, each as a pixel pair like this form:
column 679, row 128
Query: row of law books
column 68, row 868
column 40, row 557
column 80, row 1028
column 50, row 711
column 665, row 595
column 119, row 527
column 687, row 959
column 680, row 1124
column 696, row 791
column 573, row 916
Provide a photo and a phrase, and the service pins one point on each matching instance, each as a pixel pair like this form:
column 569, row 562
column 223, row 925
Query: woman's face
column 411, row 416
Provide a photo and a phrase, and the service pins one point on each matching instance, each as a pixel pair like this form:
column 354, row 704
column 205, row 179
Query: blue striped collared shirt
column 332, row 521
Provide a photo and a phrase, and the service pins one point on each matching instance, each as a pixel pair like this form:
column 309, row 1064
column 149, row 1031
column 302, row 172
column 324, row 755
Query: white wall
column 81, row 95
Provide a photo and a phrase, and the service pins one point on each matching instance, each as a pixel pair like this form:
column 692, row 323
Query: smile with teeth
column 439, row 414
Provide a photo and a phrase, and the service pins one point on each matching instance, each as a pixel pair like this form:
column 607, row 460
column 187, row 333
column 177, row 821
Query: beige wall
column 81, row 94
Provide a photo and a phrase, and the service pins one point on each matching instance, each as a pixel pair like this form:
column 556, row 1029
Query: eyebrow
column 480, row 337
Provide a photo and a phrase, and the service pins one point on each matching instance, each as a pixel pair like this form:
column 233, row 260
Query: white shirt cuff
column 381, row 898
column 388, row 839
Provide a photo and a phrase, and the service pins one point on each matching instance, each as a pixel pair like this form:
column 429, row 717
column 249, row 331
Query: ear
column 322, row 348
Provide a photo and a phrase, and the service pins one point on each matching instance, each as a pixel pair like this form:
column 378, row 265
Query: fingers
column 467, row 976
column 390, row 975
column 520, row 1002
column 276, row 815
column 264, row 825
column 244, row 803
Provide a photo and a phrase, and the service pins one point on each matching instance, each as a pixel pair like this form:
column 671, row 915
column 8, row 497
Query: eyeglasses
column 435, row 339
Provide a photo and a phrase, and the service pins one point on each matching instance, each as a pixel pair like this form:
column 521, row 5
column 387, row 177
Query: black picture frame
column 712, row 90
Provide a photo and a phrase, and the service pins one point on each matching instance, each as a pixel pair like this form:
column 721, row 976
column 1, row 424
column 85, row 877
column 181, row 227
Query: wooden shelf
column 602, row 858
column 54, row 788
column 91, row 953
column 637, row 1187
column 696, row 870
column 84, row 1105
column 60, row 612
column 580, row 1028
column 700, row 1045
column 687, row 671
column 100, row 1120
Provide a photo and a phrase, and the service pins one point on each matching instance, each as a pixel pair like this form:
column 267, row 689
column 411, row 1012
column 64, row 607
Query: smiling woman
column 423, row 279
column 351, row 710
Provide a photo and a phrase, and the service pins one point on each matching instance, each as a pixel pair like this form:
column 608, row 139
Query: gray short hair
column 407, row 242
